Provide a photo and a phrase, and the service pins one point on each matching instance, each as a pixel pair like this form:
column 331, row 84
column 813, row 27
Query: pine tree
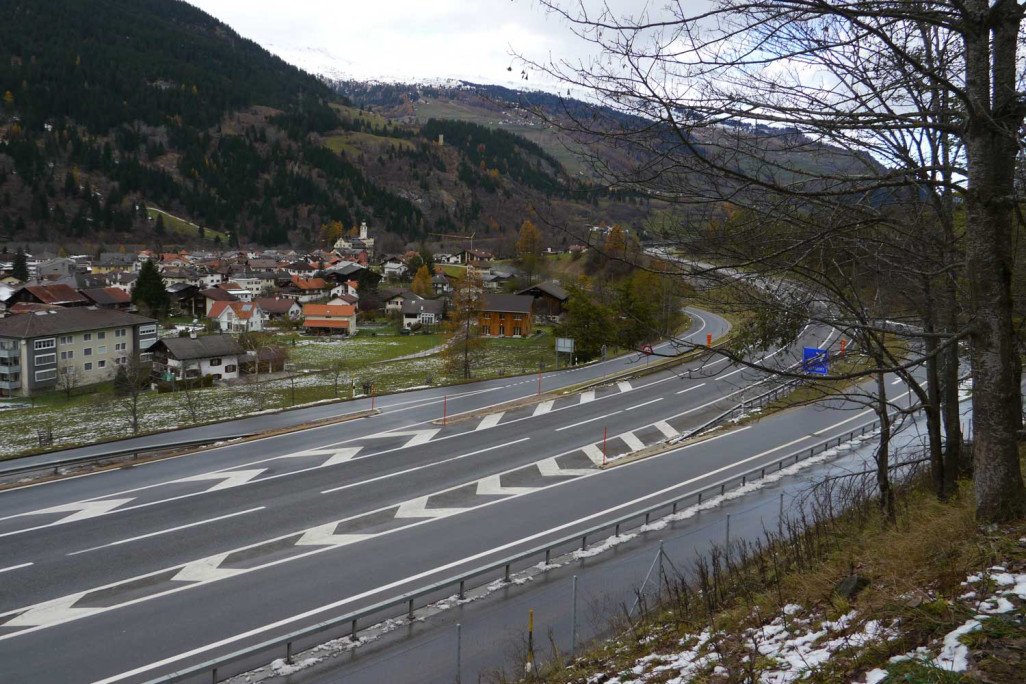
column 159, row 228
column 150, row 293
column 20, row 266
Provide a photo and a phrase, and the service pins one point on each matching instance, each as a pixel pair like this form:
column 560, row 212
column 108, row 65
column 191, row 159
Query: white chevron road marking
column 490, row 421
column 324, row 535
column 543, row 407
column 624, row 386
column 53, row 613
column 335, row 456
column 587, row 396
column 594, row 453
column 492, row 486
column 229, row 478
column 207, row 570
column 632, row 441
column 418, row 436
column 550, row 468
column 666, row 429
column 83, row 510
column 417, row 508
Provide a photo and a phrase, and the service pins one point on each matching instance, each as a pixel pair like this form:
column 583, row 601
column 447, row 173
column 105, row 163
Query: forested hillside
column 113, row 106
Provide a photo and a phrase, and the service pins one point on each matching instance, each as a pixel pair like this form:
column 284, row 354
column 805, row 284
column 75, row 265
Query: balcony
column 10, row 382
column 10, row 351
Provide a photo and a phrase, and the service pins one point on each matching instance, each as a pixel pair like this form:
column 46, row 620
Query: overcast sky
column 404, row 39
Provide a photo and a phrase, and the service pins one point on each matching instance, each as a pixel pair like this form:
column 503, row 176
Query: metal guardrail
column 135, row 451
column 458, row 583
column 757, row 401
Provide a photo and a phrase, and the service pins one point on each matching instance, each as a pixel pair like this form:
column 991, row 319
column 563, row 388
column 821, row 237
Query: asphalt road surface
column 128, row 574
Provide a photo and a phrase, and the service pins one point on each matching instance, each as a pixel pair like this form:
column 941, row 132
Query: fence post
column 573, row 616
column 659, row 576
column 530, row 642
column 728, row 535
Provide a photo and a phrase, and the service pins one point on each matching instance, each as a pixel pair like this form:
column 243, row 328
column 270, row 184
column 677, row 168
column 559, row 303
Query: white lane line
column 543, row 408
column 422, row 467
column 587, row 396
column 168, row 530
column 228, row 479
column 632, row 441
column 15, row 567
column 590, row 420
column 644, row 404
column 436, row 570
column 624, row 386
column 897, row 382
column 855, row 417
column 490, row 421
column 693, row 387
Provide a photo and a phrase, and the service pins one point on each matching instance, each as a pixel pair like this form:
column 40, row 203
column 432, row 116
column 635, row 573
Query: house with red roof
column 329, row 319
column 238, row 317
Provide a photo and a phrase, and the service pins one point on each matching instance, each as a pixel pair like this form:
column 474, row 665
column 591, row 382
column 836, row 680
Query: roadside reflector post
column 530, row 642
column 604, row 445
column 708, row 340
column 844, row 345
column 445, row 408
column 539, row 383
column 372, row 397
column 573, row 618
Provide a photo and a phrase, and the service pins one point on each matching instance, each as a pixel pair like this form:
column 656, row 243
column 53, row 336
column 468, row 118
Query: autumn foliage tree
column 464, row 346
column 422, row 282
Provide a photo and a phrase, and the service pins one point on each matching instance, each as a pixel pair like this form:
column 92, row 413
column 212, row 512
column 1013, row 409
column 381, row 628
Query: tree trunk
column 932, row 406
column 883, row 481
column 994, row 117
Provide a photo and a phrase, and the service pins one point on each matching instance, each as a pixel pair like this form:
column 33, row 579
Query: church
column 355, row 244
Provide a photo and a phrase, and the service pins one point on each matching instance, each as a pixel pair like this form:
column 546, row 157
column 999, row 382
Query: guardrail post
column 288, row 652
column 459, row 653
column 700, row 498
column 723, row 489
column 744, row 480
column 506, row 578
column 463, row 586
column 763, row 474
column 647, row 516
column 213, row 675
column 616, row 532
column 352, row 634
column 584, row 542
column 410, row 613
column 674, row 509
column 573, row 616
column 548, row 555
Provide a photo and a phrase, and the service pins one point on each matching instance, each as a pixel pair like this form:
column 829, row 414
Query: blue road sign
column 815, row 361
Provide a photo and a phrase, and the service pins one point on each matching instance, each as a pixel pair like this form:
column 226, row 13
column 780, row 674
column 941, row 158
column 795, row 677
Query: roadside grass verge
column 771, row 612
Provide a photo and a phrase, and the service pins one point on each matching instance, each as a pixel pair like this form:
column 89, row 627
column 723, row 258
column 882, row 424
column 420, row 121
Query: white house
column 177, row 358
column 238, row 317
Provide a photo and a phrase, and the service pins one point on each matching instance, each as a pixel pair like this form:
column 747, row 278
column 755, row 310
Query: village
column 249, row 331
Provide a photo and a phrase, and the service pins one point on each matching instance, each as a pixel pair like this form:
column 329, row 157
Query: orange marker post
column 708, row 340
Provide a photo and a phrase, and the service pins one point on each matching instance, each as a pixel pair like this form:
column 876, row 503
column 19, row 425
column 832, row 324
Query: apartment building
column 85, row 345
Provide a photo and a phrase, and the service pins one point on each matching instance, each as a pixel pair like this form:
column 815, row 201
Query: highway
column 127, row 574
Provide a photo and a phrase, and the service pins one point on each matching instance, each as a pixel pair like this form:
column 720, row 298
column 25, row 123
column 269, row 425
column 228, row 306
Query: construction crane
column 451, row 236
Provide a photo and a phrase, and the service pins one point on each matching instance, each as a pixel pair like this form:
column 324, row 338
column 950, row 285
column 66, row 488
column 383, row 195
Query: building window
column 215, row 362
column 518, row 317
column 48, row 343
column 502, row 330
column 87, row 337
column 87, row 366
column 230, row 368
column 120, row 332
column 65, row 355
column 102, row 349
column 101, row 364
column 88, row 351
column 45, row 359
column 148, row 356
column 120, row 346
column 66, row 339
column 101, row 335
column 46, row 375
column 516, row 331
column 146, row 330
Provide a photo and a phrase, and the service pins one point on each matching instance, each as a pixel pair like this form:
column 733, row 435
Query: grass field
column 173, row 224
column 99, row 415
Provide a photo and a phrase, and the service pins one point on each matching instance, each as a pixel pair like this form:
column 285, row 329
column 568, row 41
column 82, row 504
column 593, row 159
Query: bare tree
column 68, row 378
column 131, row 383
column 737, row 103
